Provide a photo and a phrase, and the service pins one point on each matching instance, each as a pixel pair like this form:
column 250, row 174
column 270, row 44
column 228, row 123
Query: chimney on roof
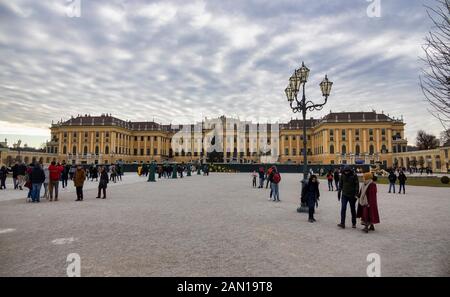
column 364, row 116
column 349, row 119
column 376, row 117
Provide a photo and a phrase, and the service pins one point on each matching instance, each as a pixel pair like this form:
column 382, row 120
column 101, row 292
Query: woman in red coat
column 367, row 206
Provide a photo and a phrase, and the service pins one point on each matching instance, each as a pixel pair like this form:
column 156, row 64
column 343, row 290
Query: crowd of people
column 38, row 178
column 362, row 200
column 166, row 170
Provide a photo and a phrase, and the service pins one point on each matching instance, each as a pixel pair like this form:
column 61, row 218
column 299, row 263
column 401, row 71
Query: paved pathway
column 219, row 226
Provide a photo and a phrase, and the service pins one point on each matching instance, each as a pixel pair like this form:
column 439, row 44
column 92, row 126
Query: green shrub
column 445, row 180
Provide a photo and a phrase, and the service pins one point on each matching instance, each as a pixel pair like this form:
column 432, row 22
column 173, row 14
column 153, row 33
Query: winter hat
column 367, row 176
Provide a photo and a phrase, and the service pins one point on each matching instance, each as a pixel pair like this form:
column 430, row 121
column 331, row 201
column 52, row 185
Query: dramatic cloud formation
column 179, row 61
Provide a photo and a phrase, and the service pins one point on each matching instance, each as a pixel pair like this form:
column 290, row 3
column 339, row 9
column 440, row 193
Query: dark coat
column 336, row 176
column 402, row 178
column 37, row 175
column 310, row 193
column 369, row 213
column 79, row 177
column 392, row 177
column 349, row 185
column 104, row 180
column 15, row 170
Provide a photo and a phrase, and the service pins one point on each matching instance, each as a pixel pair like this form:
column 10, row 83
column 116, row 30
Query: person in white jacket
column 47, row 180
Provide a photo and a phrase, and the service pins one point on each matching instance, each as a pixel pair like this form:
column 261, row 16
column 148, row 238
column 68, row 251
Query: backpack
column 276, row 178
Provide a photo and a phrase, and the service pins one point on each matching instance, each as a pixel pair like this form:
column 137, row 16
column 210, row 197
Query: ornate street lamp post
column 297, row 80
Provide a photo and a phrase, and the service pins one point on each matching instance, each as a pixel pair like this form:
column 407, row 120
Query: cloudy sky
column 180, row 61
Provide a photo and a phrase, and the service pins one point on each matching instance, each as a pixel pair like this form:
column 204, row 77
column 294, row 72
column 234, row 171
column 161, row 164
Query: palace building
column 337, row 138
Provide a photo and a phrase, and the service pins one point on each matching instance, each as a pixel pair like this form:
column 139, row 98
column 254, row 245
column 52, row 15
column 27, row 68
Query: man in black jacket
column 392, row 179
column 37, row 178
column 15, row 172
column 348, row 189
column 336, row 179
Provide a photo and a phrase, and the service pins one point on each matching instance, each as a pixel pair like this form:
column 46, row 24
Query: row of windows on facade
column 118, row 136
column 319, row 150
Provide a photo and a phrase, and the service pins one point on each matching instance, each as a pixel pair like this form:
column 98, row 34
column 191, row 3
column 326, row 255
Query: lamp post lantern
column 296, row 81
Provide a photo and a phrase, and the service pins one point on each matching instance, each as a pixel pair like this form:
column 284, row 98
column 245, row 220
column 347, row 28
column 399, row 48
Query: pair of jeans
column 330, row 185
column 274, row 191
column 254, row 182
column 3, row 185
column 400, row 188
column 53, row 185
column 79, row 193
column 36, row 191
column 336, row 183
column 352, row 202
column 391, row 186
column 261, row 182
column 15, row 183
column 64, row 182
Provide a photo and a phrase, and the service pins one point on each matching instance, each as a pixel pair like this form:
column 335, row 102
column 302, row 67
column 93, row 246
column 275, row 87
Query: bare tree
column 445, row 138
column 435, row 79
column 425, row 141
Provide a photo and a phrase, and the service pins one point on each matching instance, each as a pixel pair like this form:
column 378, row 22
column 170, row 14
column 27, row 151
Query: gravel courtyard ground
column 219, row 226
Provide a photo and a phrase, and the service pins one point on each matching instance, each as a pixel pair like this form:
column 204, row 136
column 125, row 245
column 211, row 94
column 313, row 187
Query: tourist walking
column 254, row 177
column 46, row 181
column 65, row 174
column 269, row 171
column 336, row 178
column 3, row 175
column 56, row 171
column 347, row 191
column 114, row 173
column 15, row 174
column 72, row 170
column 119, row 172
column 261, row 177
column 22, row 171
column 402, row 181
column 310, row 195
column 94, row 173
column 37, row 178
column 78, row 180
column 274, row 179
column 330, row 181
column 368, row 206
column 102, row 185
column 392, row 179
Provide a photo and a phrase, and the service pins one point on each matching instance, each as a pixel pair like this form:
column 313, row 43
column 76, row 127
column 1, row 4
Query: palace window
column 294, row 152
column 357, row 149
column 331, row 149
column 74, row 150
column 155, row 151
column 383, row 149
column 64, row 150
column 135, row 152
column 142, row 138
column 85, row 134
column 286, row 151
column 344, row 149
column 96, row 150
column 97, row 134
column 106, row 149
column 343, row 134
column 85, row 150
column 142, row 152
column 371, row 149
column 148, row 151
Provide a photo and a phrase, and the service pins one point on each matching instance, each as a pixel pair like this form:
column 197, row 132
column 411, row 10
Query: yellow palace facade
column 337, row 138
